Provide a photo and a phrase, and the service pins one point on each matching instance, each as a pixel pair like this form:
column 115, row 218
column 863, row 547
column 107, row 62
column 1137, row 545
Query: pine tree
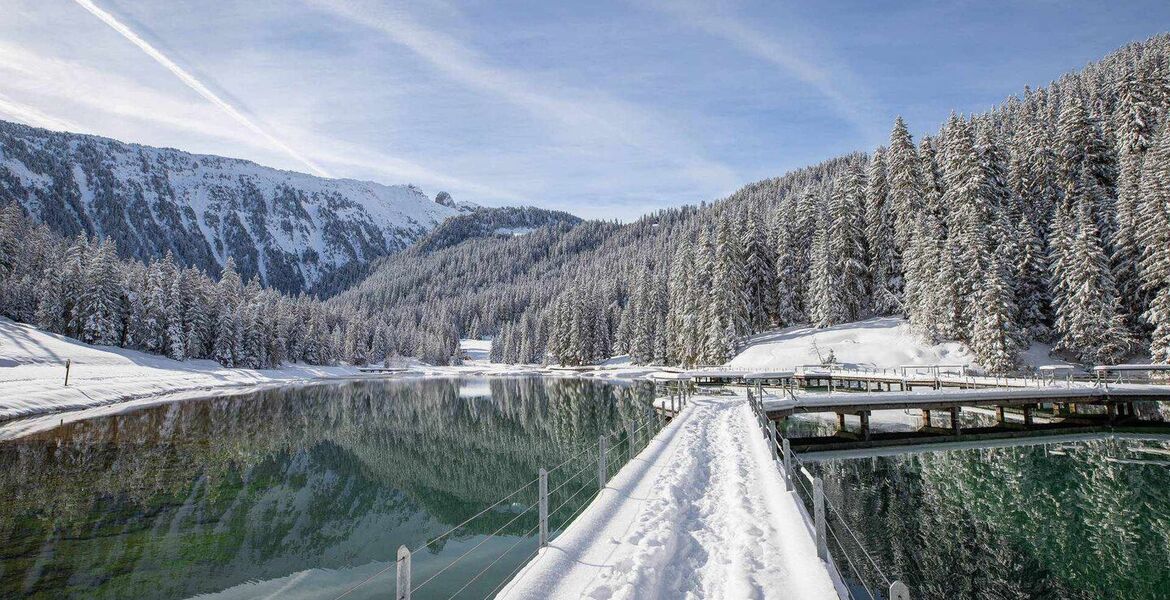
column 1134, row 125
column 759, row 274
column 1154, row 214
column 820, row 301
column 1090, row 323
column 847, row 251
column 98, row 307
column 996, row 337
column 881, row 226
column 175, row 316
column 1030, row 276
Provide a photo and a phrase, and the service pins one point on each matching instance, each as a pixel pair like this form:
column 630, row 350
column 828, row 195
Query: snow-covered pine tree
column 996, row 337
column 1154, row 215
column 1134, row 122
column 759, row 273
column 681, row 317
column 968, row 210
column 847, row 250
column 905, row 182
column 1030, row 276
column 1090, row 323
column 821, row 304
column 100, row 302
column 881, row 226
column 176, row 307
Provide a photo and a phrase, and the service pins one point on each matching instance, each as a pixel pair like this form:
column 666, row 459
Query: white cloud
column 835, row 82
column 196, row 85
column 587, row 120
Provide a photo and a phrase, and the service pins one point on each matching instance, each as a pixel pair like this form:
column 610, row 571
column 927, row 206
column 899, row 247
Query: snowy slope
column 32, row 373
column 701, row 513
column 878, row 343
column 882, row 342
column 291, row 229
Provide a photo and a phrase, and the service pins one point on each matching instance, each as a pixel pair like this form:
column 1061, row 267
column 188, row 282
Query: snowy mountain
column 293, row 230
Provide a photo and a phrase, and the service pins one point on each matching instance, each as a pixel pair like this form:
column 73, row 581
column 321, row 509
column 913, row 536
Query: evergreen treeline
column 81, row 288
column 1045, row 218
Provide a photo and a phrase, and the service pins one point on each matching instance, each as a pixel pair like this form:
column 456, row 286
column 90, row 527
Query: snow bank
column 880, row 343
column 32, row 373
column 477, row 350
column 700, row 513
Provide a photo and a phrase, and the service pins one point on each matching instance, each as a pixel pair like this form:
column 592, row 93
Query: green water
column 1080, row 520
column 299, row 493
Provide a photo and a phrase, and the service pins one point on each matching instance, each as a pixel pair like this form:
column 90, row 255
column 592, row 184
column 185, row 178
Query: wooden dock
column 1065, row 408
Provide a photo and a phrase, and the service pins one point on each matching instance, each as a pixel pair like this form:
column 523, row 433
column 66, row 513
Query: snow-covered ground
column 880, row 343
column 700, row 513
column 32, row 373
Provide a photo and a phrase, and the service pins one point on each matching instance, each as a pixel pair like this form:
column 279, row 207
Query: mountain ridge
column 291, row 230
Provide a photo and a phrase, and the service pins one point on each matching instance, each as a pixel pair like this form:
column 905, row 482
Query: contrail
column 195, row 84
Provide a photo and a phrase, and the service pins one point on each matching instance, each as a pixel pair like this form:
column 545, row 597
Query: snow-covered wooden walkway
column 702, row 512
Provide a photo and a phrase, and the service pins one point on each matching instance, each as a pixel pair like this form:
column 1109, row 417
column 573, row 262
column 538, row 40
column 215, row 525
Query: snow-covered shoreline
column 104, row 379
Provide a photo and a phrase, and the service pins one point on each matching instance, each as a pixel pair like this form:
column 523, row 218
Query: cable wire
column 473, row 549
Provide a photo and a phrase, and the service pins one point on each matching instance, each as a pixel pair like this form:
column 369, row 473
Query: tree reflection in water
column 197, row 497
column 1084, row 520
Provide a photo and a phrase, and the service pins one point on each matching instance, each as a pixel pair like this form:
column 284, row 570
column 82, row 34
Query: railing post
column 899, row 591
column 543, row 507
column 787, row 464
column 819, row 518
column 630, row 437
column 601, row 462
column 403, row 587
column 772, row 439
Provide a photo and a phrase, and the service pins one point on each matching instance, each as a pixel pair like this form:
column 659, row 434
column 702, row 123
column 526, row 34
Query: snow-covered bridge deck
column 851, row 402
column 701, row 512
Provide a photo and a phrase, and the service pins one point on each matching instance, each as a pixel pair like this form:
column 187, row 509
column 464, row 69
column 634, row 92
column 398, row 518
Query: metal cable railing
column 796, row 473
column 609, row 460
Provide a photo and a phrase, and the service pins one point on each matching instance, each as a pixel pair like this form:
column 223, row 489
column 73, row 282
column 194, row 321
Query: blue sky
column 604, row 109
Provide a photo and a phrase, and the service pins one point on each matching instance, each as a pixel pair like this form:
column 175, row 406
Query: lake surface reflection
column 298, row 493
column 1073, row 520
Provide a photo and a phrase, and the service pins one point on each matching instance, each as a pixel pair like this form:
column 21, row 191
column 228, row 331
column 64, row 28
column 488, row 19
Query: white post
column 601, row 462
column 630, row 437
column 772, row 439
column 819, row 518
column 899, row 591
column 403, row 588
column 543, row 507
column 787, row 464
column 68, row 363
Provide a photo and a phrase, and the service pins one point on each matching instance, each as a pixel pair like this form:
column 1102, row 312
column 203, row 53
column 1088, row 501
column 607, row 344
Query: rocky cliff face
column 292, row 230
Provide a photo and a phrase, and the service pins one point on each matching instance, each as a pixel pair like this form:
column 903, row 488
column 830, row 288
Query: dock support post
column 899, row 591
column 601, row 462
column 787, row 464
column 840, row 422
column 1027, row 415
column 864, row 425
column 772, row 439
column 999, row 418
column 926, row 417
column 1112, row 409
column 955, row 429
column 402, row 591
column 543, row 507
column 819, row 518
